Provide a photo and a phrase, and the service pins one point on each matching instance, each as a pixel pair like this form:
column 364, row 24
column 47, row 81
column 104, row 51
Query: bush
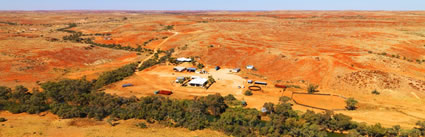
column 3, row 119
column 375, row 92
column 141, row 125
column 248, row 93
column 312, row 88
column 351, row 103
column 200, row 66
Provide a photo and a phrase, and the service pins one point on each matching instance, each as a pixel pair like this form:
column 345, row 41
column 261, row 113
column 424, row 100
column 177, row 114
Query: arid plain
column 346, row 53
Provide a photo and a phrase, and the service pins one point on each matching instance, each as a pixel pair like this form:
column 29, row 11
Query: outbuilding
column 250, row 67
column 179, row 79
column 184, row 59
column 191, row 69
column 127, row 85
column 179, row 69
column 236, row 70
column 249, row 81
column 260, row 83
column 194, row 77
column 198, row 82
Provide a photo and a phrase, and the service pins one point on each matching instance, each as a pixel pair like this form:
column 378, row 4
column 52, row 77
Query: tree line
column 77, row 37
column 81, row 98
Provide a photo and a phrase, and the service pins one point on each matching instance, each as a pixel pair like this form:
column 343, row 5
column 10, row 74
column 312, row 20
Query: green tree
column 312, row 88
column 421, row 127
column 394, row 131
column 269, row 107
column 351, row 103
column 342, row 122
column 353, row 133
column 376, row 130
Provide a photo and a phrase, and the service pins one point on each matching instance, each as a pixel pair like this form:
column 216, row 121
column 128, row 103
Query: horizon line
column 196, row 10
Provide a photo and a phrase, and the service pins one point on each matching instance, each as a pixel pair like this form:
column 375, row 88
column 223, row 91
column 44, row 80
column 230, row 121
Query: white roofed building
column 179, row 69
column 197, row 82
column 184, row 59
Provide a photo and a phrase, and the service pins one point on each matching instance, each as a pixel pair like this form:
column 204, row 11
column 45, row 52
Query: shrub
column 248, row 93
column 200, row 66
column 141, row 125
column 3, row 119
column 284, row 99
column 312, row 88
column 376, row 92
column 351, row 103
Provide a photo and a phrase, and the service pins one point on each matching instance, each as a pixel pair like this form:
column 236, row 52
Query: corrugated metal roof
column 191, row 68
column 198, row 81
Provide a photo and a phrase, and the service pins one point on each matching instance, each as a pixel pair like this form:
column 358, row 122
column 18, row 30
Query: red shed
column 164, row 92
column 280, row 86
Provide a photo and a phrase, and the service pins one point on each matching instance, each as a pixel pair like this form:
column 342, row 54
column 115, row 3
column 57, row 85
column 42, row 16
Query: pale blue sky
column 212, row 4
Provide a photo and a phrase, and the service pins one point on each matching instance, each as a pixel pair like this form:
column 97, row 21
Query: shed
column 250, row 67
column 260, row 83
column 198, row 82
column 250, row 81
column 191, row 69
column 263, row 109
column 163, row 92
column 179, row 79
column 127, row 85
column 236, row 70
column 179, row 69
column 280, row 86
column 184, row 59
column 195, row 77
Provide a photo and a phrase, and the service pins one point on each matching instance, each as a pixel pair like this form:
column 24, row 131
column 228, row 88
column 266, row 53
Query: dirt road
column 156, row 49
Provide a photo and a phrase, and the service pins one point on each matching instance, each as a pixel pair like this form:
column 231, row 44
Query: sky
column 212, row 4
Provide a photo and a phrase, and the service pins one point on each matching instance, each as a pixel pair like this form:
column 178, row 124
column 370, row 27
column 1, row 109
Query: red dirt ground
column 341, row 51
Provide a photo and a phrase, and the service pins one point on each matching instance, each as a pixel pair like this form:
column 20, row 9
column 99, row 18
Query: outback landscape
column 316, row 59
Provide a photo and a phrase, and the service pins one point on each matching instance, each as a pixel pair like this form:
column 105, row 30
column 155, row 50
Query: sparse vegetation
column 156, row 60
column 84, row 98
column 76, row 37
column 169, row 27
